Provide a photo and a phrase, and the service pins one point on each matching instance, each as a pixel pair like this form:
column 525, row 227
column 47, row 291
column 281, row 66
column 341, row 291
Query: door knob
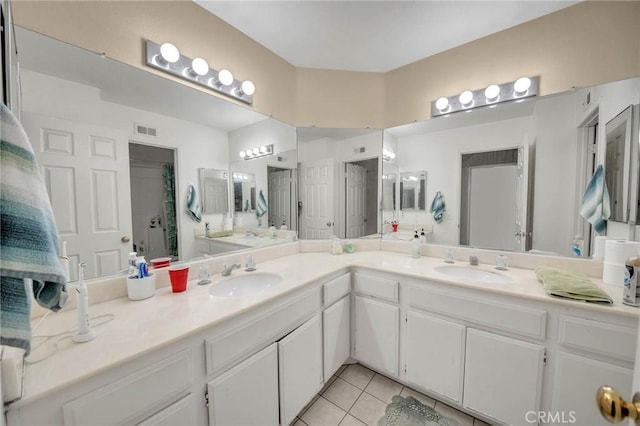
column 125, row 239
column 329, row 223
column 614, row 408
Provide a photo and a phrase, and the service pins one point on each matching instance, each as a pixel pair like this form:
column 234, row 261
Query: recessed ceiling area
column 372, row 36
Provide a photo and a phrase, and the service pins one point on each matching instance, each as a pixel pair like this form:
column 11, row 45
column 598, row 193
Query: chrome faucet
column 226, row 270
column 249, row 233
column 473, row 260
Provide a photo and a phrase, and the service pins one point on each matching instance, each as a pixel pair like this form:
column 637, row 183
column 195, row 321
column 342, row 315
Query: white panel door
column 300, row 368
column 316, row 187
column 247, row 394
column 376, row 334
column 522, row 224
column 280, row 190
column 502, row 376
column 435, row 354
column 336, row 321
column 86, row 171
column 356, row 189
column 576, row 382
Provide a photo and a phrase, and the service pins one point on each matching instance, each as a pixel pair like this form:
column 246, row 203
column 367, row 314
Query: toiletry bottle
column 133, row 268
column 272, row 231
column 207, row 230
column 336, row 246
column 631, row 290
column 284, row 226
column 578, row 242
column 415, row 245
column 423, row 237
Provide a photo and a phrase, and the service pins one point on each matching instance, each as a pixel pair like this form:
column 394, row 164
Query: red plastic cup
column 178, row 275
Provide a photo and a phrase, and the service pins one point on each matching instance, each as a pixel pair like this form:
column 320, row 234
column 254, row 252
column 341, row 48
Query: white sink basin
column 245, row 285
column 472, row 274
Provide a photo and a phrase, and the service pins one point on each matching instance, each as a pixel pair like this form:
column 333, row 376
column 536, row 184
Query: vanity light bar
column 388, row 155
column 490, row 96
column 259, row 151
column 167, row 58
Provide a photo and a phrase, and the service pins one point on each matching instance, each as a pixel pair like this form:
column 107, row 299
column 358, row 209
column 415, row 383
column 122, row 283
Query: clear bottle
column 272, row 231
column 423, row 237
column 207, row 230
column 631, row 290
column 133, row 268
column 577, row 245
column 415, row 245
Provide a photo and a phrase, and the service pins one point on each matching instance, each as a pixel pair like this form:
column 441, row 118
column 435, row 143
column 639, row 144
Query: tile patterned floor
column 357, row 396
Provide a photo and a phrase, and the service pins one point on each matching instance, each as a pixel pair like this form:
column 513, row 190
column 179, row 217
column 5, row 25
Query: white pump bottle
column 85, row 332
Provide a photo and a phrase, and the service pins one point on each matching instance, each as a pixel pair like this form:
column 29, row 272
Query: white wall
column 439, row 153
column 197, row 146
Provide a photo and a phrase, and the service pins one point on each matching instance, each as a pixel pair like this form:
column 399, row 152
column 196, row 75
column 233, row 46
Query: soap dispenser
column 423, row 237
column 415, row 245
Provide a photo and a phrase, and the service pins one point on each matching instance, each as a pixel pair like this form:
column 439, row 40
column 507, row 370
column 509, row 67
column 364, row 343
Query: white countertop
column 143, row 326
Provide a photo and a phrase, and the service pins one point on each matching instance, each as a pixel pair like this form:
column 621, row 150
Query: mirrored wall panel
column 340, row 182
column 514, row 177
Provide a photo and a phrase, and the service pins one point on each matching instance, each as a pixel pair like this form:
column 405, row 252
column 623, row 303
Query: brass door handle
column 614, row 408
column 125, row 239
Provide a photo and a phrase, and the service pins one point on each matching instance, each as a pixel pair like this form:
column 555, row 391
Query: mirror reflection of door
column 88, row 185
column 617, row 164
column 282, row 207
column 153, row 201
column 489, row 199
column 361, row 195
column 316, row 211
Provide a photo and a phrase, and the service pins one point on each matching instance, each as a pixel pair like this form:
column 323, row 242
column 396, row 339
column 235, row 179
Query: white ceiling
column 375, row 36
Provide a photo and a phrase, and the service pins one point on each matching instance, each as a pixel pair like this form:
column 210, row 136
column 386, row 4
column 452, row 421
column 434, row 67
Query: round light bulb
column 256, row 151
column 522, row 85
column 492, row 92
column 225, row 77
column 466, row 98
column 249, row 153
column 200, row 66
column 169, row 52
column 243, row 154
column 263, row 149
column 442, row 103
column 392, row 155
column 248, row 88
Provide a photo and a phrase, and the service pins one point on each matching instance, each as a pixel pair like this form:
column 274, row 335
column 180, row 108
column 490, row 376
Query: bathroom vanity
column 495, row 350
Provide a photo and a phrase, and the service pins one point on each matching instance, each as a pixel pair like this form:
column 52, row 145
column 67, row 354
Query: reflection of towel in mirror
column 262, row 205
column 29, row 243
column 193, row 207
column 438, row 207
column 596, row 206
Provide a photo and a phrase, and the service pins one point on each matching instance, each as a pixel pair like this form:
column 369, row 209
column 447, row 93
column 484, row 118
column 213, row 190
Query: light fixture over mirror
column 490, row 96
column 167, row 58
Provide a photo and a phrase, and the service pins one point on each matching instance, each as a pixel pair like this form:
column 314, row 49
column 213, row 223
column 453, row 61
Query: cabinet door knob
column 614, row 408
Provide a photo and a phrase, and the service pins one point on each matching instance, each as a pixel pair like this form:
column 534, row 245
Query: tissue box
column 141, row 288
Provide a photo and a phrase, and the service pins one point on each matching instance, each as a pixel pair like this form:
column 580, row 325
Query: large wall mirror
column 340, row 175
column 121, row 148
column 513, row 177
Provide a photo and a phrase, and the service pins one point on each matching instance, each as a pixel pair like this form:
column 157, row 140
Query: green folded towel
column 561, row 283
column 219, row 234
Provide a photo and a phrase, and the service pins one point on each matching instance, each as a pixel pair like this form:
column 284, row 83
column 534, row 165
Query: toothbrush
column 65, row 261
column 85, row 332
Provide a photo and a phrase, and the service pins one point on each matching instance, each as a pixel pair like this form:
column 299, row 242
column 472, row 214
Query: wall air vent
column 140, row 129
column 359, row 150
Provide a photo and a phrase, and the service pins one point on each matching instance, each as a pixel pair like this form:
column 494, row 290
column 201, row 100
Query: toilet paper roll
column 599, row 247
column 617, row 251
column 613, row 273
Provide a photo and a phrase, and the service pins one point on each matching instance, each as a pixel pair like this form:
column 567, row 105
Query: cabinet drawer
column 517, row 319
column 140, row 393
column 335, row 289
column 381, row 288
column 597, row 337
column 226, row 350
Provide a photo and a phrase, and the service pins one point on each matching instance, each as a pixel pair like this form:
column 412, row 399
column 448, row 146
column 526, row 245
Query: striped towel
column 438, row 207
column 29, row 262
column 193, row 207
column 262, row 205
column 596, row 206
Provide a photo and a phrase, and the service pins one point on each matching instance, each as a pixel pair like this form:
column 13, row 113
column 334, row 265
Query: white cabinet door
column 300, row 368
column 435, row 354
column 247, row 394
column 502, row 377
column 337, row 335
column 182, row 412
column 376, row 334
column 576, row 381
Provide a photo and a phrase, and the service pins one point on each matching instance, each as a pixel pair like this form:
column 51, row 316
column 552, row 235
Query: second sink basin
column 472, row 274
column 245, row 285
